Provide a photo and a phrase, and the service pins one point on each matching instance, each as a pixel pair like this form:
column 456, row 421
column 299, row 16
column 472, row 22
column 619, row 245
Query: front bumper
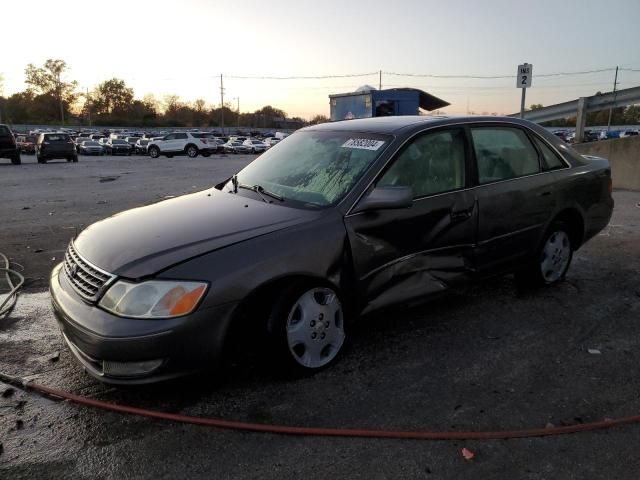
column 106, row 344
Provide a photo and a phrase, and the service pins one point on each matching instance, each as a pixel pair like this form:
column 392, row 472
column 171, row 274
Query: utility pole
column 238, row 112
column 221, row 104
column 380, row 80
column 60, row 99
column 88, row 106
column 615, row 84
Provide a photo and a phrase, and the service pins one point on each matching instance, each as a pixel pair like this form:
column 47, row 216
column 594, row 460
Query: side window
column 432, row 163
column 171, row 136
column 503, row 153
column 181, row 136
column 551, row 159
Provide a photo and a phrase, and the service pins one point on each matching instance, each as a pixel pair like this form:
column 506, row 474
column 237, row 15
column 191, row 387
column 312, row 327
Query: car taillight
column 203, row 140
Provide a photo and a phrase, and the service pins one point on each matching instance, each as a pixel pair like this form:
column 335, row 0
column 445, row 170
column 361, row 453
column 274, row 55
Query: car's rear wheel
column 553, row 259
column 192, row 151
column 307, row 327
column 154, row 152
column 16, row 159
column 40, row 159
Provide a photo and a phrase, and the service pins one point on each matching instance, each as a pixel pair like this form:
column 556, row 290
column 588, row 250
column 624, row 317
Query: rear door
column 515, row 196
column 403, row 254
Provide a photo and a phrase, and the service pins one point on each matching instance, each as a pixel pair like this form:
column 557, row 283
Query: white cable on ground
column 10, row 300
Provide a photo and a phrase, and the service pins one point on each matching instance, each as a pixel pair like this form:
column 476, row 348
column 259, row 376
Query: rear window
column 57, row 138
column 119, row 142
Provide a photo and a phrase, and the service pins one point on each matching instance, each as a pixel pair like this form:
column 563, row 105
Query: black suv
column 8, row 147
column 55, row 145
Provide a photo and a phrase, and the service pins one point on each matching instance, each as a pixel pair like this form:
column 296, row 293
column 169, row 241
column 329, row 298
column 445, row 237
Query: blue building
column 368, row 102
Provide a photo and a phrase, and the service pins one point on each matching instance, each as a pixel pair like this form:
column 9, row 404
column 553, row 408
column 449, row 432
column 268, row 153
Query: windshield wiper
column 259, row 190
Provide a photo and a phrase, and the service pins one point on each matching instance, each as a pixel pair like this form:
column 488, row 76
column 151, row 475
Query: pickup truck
column 8, row 147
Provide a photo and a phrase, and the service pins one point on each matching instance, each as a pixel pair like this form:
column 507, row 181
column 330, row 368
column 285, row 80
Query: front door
column 402, row 254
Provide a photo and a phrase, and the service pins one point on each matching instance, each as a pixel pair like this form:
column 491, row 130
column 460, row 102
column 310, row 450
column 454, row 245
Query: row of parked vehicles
column 594, row 135
column 191, row 144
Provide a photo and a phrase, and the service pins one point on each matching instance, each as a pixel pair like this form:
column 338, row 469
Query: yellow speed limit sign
column 525, row 72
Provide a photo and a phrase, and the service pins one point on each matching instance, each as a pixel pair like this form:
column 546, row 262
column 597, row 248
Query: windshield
column 89, row 143
column 316, row 167
column 118, row 142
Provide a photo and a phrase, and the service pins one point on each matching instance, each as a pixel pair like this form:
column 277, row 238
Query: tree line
column 50, row 99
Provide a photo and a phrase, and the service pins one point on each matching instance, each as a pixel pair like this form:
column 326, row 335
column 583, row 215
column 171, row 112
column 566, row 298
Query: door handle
column 461, row 214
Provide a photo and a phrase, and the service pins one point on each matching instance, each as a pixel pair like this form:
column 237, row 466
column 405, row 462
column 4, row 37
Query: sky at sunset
column 182, row 47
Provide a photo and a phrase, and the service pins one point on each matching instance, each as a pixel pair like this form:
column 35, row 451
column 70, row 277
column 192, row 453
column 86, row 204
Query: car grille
column 87, row 280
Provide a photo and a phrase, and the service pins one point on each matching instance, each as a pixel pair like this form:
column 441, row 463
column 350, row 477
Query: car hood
column 145, row 240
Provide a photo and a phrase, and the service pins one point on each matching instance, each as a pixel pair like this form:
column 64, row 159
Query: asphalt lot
column 486, row 359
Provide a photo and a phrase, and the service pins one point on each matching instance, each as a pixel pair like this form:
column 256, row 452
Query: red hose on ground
column 331, row 432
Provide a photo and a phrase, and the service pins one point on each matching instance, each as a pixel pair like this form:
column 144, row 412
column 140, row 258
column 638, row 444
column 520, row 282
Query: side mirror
column 386, row 198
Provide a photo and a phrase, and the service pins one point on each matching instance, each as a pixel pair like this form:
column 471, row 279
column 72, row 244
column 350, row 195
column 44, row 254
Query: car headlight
column 153, row 299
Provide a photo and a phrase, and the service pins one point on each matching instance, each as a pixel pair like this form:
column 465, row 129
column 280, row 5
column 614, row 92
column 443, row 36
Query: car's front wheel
column 16, row 159
column 307, row 326
column 553, row 258
column 154, row 152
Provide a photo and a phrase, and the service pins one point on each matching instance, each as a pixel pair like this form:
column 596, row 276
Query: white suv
column 182, row 143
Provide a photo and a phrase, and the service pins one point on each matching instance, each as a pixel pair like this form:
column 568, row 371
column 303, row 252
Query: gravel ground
column 489, row 358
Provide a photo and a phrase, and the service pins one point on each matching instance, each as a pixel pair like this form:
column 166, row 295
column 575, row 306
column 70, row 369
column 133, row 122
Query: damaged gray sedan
column 334, row 222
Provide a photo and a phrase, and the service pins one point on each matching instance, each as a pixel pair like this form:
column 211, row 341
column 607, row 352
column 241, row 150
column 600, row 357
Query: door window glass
column 432, row 163
column 503, row 153
column 551, row 160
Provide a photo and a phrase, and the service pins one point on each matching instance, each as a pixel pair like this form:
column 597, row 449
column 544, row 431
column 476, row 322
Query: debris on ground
column 109, row 179
column 467, row 454
column 38, row 250
column 594, row 351
column 55, row 357
column 8, row 392
column 26, row 208
column 19, row 424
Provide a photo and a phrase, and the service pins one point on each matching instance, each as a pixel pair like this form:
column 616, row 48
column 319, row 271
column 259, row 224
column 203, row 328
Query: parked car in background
column 26, row 144
column 233, row 146
column 97, row 136
column 628, row 133
column 210, row 140
column 132, row 141
column 8, row 146
column 271, row 141
column 181, row 143
column 141, row 145
column 341, row 220
column 116, row 146
column 255, row 146
column 90, row 147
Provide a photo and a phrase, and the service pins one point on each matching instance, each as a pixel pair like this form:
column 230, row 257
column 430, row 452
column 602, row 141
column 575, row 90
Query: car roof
column 398, row 124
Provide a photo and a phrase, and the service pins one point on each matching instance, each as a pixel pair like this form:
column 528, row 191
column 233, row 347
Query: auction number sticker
column 363, row 143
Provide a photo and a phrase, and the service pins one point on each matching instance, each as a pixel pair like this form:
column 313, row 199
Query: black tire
column 206, row 154
column 154, row 152
column 191, row 151
column 169, row 155
column 68, row 159
column 289, row 358
column 552, row 259
column 253, row 150
column 16, row 159
column 74, row 159
column 40, row 159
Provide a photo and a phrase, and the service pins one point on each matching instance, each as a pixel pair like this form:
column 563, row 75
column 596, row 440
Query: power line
column 491, row 77
column 300, row 77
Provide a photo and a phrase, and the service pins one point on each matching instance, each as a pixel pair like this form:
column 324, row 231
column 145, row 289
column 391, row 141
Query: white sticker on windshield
column 363, row 143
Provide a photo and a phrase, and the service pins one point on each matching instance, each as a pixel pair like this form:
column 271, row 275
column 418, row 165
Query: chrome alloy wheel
column 315, row 328
column 556, row 255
